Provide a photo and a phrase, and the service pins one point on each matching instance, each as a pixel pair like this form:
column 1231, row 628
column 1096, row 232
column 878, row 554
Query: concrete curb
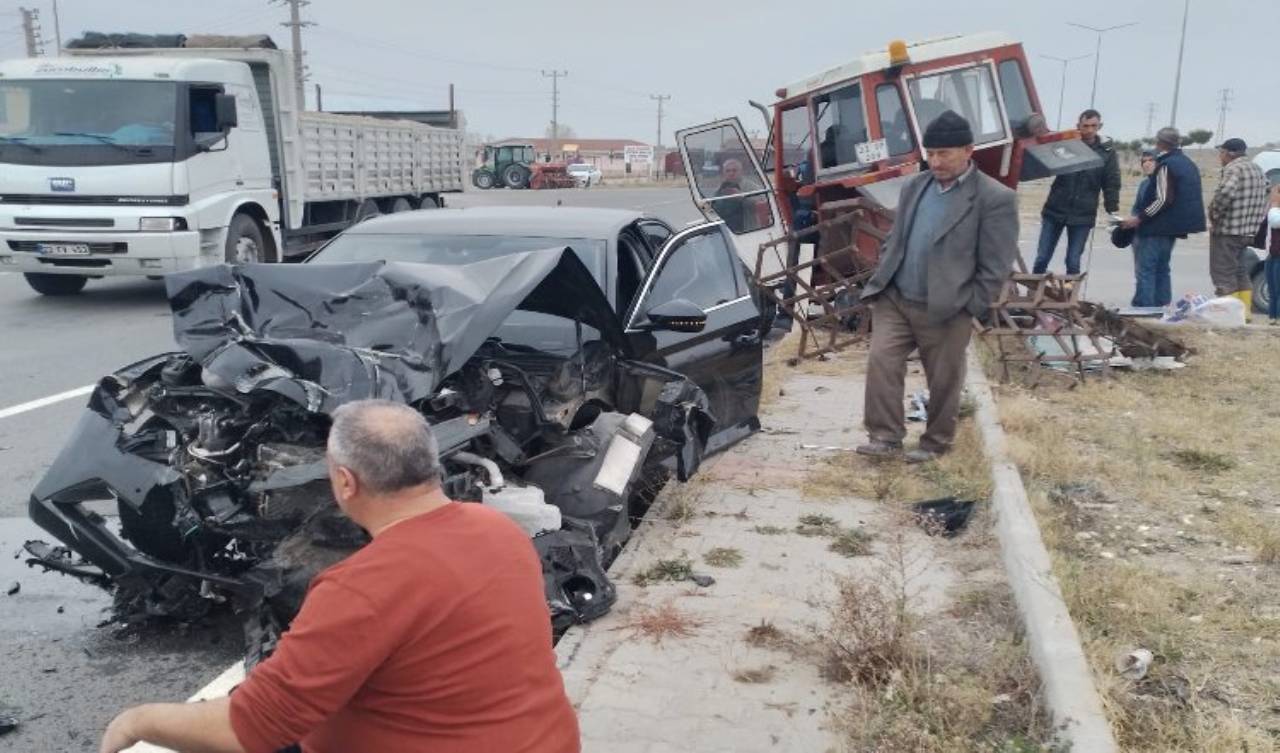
column 1055, row 645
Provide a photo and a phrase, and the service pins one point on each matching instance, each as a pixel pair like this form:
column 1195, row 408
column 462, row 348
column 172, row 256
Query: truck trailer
column 145, row 160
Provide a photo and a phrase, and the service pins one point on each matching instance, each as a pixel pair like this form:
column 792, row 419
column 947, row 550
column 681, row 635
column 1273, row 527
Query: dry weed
column 851, row 542
column 660, row 622
column 769, row 530
column 675, row 570
column 755, row 675
column 765, row 635
column 723, row 556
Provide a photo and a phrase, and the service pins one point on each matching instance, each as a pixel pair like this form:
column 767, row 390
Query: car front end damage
column 212, row 457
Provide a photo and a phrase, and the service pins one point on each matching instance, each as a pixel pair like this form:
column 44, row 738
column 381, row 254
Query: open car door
column 728, row 184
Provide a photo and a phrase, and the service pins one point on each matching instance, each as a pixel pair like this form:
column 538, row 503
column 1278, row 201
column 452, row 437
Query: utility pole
column 1151, row 118
column 295, row 24
column 1224, row 106
column 657, row 144
column 57, row 30
column 555, row 77
column 1177, row 81
column 319, row 99
column 31, row 31
column 1097, row 55
column 1062, row 89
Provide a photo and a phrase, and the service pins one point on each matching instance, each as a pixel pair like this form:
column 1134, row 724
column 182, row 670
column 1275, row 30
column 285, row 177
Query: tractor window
column 894, row 124
column 841, row 125
column 970, row 92
column 1014, row 87
column 796, row 145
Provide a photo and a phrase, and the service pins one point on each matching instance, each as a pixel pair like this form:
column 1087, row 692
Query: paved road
column 64, row 676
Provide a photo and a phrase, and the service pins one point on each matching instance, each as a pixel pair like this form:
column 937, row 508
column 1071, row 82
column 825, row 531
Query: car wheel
column 244, row 241
column 1261, row 293
column 46, row 284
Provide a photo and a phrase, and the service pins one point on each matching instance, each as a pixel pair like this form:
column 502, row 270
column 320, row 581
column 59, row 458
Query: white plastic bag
column 1226, row 311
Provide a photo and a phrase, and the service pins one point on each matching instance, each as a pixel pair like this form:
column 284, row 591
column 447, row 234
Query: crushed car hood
column 327, row 334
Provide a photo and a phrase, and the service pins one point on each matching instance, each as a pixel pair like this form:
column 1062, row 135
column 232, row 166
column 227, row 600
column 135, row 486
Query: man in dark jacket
column 1175, row 209
column 1073, row 199
column 952, row 245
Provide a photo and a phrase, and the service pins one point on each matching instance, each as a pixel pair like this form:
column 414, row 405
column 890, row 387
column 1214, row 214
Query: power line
column 659, row 98
column 1063, row 87
column 1177, row 80
column 1097, row 55
column 555, row 77
column 295, row 25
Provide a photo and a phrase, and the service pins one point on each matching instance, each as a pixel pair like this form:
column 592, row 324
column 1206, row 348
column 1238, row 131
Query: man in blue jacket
column 1174, row 209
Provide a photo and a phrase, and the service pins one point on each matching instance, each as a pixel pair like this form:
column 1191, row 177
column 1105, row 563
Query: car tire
column 46, row 284
column 1261, row 294
column 245, row 243
column 515, row 176
column 483, row 179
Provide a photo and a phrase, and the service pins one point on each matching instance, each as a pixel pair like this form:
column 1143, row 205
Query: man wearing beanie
column 952, row 245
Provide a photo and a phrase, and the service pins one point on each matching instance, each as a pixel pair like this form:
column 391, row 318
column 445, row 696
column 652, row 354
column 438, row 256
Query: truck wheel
column 401, row 204
column 368, row 209
column 483, row 179
column 45, row 284
column 1261, row 293
column 244, row 241
column 428, row 202
column 515, row 176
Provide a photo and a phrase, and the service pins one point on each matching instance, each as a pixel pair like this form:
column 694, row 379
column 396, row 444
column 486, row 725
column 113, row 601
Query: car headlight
column 161, row 224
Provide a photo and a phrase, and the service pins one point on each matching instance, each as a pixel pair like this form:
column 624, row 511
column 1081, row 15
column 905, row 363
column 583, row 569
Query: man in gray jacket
column 952, row 245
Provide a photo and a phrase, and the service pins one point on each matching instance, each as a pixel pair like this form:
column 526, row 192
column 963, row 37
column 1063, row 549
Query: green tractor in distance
column 508, row 165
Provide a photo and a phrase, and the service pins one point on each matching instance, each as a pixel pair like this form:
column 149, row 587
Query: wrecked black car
column 546, row 403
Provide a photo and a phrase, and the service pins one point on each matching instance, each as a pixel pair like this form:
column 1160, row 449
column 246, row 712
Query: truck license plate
column 64, row 249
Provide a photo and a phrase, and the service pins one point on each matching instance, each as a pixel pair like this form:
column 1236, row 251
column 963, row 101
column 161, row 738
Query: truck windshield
column 100, row 113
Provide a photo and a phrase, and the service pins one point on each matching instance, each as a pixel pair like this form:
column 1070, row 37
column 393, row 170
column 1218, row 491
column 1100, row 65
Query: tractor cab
column 507, row 165
column 854, row 132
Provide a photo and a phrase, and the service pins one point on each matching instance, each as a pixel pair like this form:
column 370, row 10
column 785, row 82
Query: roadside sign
column 632, row 154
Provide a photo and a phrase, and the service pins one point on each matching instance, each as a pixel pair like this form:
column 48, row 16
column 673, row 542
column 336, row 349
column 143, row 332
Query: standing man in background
column 1175, row 209
column 1073, row 200
column 1238, row 207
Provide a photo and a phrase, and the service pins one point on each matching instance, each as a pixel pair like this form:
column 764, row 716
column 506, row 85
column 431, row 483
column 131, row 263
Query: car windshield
column 76, row 112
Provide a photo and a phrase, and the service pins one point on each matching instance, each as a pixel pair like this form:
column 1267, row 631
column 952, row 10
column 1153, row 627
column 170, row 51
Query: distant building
column 605, row 154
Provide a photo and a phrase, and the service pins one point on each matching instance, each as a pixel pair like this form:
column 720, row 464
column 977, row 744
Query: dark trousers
column 1154, row 286
column 1050, row 232
column 1272, row 269
column 1228, row 263
column 898, row 327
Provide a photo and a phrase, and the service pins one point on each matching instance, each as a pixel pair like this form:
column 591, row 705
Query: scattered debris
column 1226, row 311
column 756, row 675
column 13, row 588
column 1134, row 665
column 769, row 530
column 947, row 516
column 702, row 581
column 918, row 406
column 8, row 724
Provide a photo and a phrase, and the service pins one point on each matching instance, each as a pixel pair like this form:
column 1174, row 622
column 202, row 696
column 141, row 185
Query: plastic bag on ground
column 1226, row 311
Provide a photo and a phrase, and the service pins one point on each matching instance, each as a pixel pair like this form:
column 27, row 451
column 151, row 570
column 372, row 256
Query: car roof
column 549, row 222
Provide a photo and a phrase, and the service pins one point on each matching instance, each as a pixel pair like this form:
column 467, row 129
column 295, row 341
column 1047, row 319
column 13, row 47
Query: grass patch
column 818, row 525
column 661, row 622
column 1205, row 461
column 755, row 675
column 770, row 530
column 673, row 570
column 851, row 542
column 765, row 635
column 723, row 556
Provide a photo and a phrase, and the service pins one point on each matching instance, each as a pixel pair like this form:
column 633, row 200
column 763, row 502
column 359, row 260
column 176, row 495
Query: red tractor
column 812, row 210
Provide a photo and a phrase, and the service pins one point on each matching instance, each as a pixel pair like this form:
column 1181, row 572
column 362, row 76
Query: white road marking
column 44, row 401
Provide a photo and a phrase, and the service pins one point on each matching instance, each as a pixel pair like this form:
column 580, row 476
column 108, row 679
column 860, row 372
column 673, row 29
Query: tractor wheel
column 516, row 176
column 483, row 179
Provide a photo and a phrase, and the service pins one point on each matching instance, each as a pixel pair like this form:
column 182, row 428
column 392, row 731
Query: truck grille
column 46, row 198
column 33, row 247
column 64, row 222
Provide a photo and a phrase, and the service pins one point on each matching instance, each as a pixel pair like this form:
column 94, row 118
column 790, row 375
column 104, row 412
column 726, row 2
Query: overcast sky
column 713, row 55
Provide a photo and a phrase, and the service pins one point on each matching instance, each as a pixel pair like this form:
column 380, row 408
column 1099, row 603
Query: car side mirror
column 679, row 315
column 225, row 113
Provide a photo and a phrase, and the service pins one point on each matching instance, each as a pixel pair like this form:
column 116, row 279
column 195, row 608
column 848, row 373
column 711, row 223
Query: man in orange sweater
column 433, row 637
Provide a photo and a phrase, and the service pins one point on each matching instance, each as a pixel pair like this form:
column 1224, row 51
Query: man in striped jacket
column 1237, row 209
column 1175, row 209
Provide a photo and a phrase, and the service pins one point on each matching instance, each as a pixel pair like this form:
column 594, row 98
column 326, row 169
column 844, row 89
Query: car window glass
column 631, row 269
column 970, row 92
column 841, row 126
column 894, row 125
column 699, row 270
column 723, row 172
column 657, row 234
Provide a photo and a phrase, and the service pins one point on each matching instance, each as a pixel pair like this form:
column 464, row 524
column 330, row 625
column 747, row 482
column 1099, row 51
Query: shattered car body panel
column 214, row 455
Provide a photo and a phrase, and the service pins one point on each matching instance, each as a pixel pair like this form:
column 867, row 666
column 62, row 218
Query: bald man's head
column 386, row 445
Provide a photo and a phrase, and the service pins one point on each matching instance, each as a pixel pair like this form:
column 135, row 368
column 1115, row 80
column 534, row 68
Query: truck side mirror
column 225, row 113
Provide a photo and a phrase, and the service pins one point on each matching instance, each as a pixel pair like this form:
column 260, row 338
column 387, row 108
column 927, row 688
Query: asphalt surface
column 64, row 675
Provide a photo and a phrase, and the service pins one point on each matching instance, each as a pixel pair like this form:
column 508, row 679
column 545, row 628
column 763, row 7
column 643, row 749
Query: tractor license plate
column 64, row 249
